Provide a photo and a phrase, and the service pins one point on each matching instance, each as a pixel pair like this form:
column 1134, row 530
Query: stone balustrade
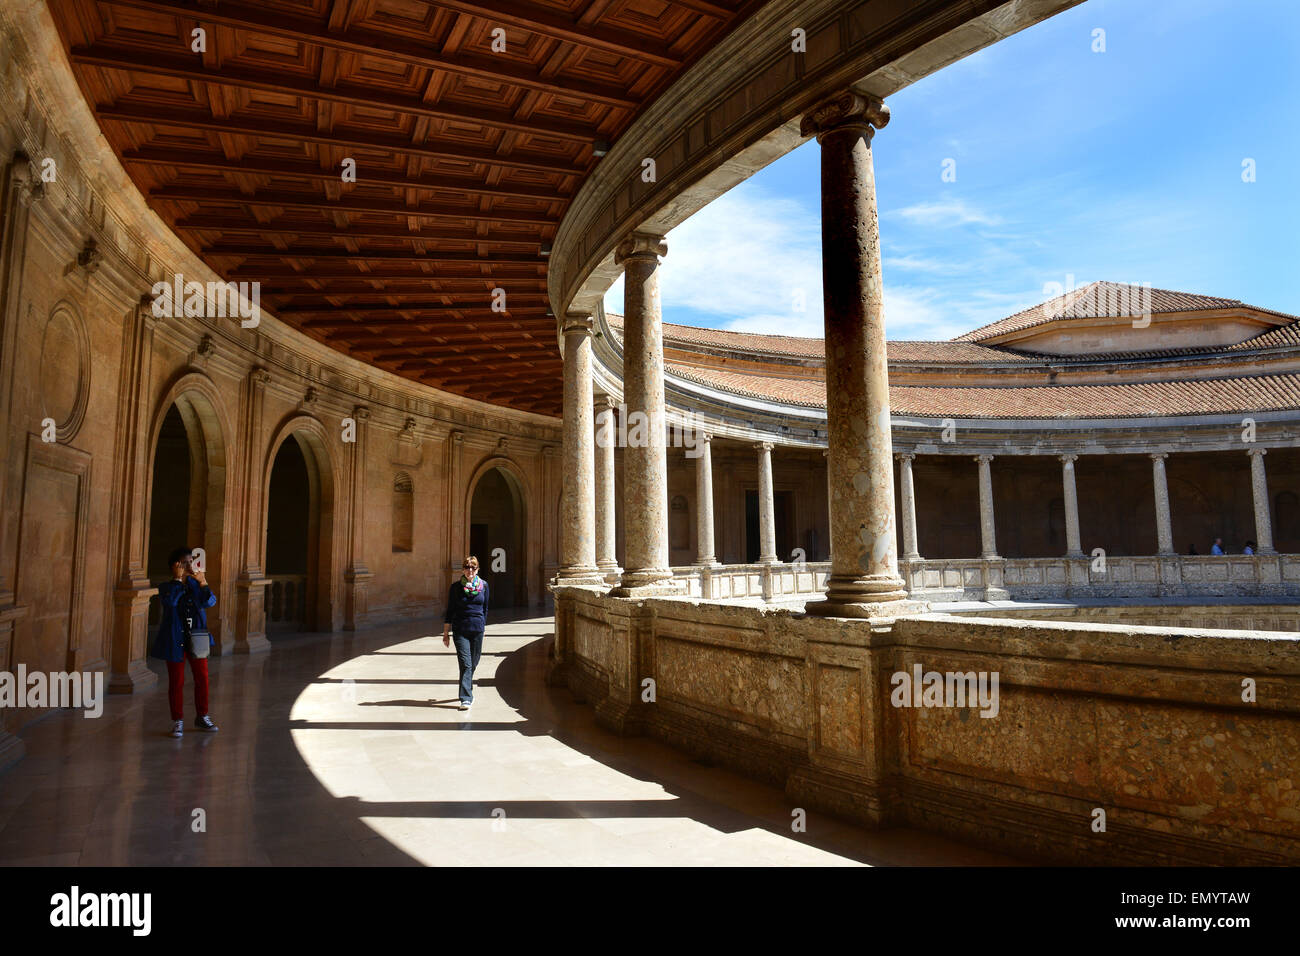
column 1031, row 579
column 1181, row 743
column 1238, row 575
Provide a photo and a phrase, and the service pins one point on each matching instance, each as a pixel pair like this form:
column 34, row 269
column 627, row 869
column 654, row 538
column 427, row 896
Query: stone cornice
column 738, row 108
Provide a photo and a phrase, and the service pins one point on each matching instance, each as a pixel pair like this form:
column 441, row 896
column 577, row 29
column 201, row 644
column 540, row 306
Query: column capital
column 905, row 455
column 259, row 377
column 844, row 110
column 1158, row 455
column 763, row 446
column 640, row 245
column 361, row 413
column 983, row 459
column 577, row 322
column 1256, row 451
column 1068, row 459
column 604, row 402
column 456, row 437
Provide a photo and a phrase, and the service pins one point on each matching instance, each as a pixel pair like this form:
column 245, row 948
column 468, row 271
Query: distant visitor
column 465, row 619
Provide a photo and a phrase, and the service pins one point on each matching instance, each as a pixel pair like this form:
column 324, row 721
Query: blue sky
column 1071, row 165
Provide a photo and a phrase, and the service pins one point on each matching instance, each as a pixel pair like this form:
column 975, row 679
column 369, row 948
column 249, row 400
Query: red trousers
column 176, row 686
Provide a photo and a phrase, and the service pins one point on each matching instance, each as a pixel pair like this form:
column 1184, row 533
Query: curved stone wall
column 88, row 372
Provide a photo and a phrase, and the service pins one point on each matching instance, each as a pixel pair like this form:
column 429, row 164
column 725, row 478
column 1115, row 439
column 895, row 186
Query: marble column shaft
column 988, row 525
column 1073, row 543
column 645, row 462
column 766, row 506
column 606, row 433
column 907, row 495
column 1259, row 491
column 864, row 560
column 1164, row 524
column 705, row 553
column 577, row 497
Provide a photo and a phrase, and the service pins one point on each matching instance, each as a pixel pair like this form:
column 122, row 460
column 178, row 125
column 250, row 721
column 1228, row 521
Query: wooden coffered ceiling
column 465, row 158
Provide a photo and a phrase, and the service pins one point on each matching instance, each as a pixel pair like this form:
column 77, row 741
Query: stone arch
column 212, row 494
column 325, row 517
column 526, row 540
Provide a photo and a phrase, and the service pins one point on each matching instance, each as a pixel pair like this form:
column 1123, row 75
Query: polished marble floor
column 347, row 749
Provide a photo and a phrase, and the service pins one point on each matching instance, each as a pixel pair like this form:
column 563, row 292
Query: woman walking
column 183, row 599
column 465, row 619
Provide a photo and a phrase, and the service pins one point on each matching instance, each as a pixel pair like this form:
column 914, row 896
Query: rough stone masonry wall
column 1147, row 724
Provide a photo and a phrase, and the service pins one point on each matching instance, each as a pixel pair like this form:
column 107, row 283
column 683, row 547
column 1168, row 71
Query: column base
column 581, row 575
column 255, row 644
column 652, row 582
column 138, row 677
column 861, row 610
column 611, row 572
column 861, row 596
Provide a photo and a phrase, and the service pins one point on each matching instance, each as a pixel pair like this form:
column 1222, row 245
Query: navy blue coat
column 170, row 642
column 466, row 613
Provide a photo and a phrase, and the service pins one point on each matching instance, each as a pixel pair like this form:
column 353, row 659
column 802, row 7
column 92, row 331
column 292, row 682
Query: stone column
column 766, row 506
column 250, row 586
column 1164, row 525
column 645, row 463
column 129, row 671
column 456, row 491
column 1073, row 545
column 356, row 578
column 907, row 492
column 1259, row 490
column 577, row 499
column 705, row 553
column 606, row 438
column 864, row 578
column 988, row 527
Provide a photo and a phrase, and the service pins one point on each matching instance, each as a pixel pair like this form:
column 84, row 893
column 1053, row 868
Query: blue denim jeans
column 468, row 648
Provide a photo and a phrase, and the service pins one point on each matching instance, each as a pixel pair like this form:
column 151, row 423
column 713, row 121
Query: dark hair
column 179, row 555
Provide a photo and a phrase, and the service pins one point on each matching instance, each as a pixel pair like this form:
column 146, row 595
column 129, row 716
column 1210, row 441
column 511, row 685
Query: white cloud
column 747, row 258
column 739, row 263
column 944, row 212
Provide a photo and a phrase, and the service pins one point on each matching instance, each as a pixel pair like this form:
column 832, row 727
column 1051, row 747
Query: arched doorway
column 299, row 536
column 187, row 496
column 497, row 536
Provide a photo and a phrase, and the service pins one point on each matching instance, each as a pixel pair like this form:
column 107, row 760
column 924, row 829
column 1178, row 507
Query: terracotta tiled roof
column 735, row 341
column 1135, row 400
column 940, row 353
column 963, row 350
column 1105, row 300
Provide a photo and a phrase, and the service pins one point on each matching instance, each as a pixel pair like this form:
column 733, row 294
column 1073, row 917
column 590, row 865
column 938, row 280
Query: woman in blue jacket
column 465, row 618
column 183, row 599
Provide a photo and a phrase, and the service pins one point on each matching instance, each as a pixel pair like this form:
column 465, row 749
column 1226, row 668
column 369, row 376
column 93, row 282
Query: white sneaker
column 178, row 728
column 463, row 706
